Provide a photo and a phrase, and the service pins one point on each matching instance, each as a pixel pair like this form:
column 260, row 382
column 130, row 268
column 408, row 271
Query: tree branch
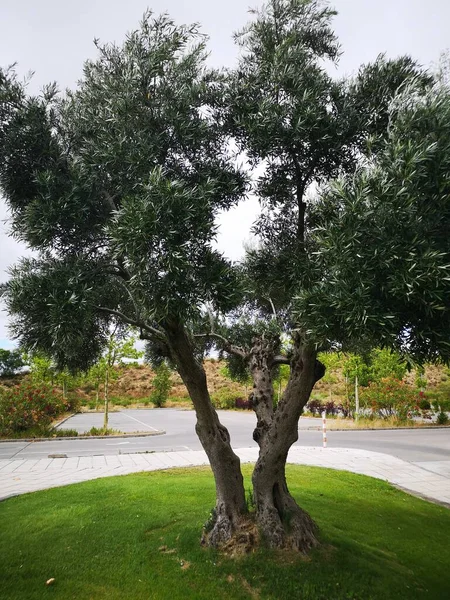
column 280, row 360
column 135, row 323
column 110, row 200
column 227, row 346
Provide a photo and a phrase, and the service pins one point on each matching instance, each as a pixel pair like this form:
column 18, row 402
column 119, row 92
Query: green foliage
column 120, row 401
column 100, row 431
column 382, row 252
column 116, row 185
column 424, row 404
column 161, row 386
column 356, row 366
column 28, row 406
column 236, row 370
column 390, row 397
column 225, row 399
column 421, row 381
column 305, row 126
column 41, row 367
column 386, row 363
column 442, row 418
column 64, row 433
column 10, row 362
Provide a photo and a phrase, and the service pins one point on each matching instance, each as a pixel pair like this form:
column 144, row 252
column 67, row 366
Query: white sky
column 54, row 37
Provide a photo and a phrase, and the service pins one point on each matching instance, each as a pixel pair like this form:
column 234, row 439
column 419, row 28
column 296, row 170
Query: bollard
column 324, row 428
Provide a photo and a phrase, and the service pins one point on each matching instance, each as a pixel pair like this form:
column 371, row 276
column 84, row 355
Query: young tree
column 11, row 361
column 119, row 346
column 161, row 385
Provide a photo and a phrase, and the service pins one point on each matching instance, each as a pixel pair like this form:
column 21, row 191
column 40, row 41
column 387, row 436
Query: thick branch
column 135, row 323
column 227, row 346
column 302, row 182
column 280, row 360
column 110, row 201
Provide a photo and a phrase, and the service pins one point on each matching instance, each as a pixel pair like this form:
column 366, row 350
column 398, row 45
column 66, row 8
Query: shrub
column 314, row 406
column 225, row 399
column 243, row 403
column 442, row 418
column 97, row 431
column 389, row 397
column 73, row 403
column 424, row 404
column 122, row 401
column 444, row 404
column 28, row 406
column 331, row 408
column 161, row 386
column 63, row 433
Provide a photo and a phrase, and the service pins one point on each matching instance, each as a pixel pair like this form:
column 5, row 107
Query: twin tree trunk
column 281, row 521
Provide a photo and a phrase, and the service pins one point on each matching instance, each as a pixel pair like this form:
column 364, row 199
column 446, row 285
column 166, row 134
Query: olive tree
column 117, row 185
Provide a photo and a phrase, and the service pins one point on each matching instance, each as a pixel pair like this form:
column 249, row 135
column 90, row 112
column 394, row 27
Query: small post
column 356, row 398
column 324, row 428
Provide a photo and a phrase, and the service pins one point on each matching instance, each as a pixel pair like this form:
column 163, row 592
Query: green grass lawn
column 137, row 537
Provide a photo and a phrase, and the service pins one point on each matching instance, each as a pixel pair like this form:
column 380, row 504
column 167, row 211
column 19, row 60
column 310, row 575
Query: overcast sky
column 54, row 37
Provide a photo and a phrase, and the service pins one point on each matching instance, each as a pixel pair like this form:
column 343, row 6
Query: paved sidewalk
column 29, row 475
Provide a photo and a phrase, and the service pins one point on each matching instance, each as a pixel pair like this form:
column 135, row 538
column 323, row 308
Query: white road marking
column 118, row 444
column 141, row 422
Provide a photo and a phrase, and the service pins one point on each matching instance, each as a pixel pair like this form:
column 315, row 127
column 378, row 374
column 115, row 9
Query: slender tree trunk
column 215, row 439
column 64, row 389
column 97, row 396
column 106, row 396
column 283, row 523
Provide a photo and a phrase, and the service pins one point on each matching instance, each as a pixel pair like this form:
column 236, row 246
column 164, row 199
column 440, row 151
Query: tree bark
column 282, row 522
column 230, row 495
column 261, row 365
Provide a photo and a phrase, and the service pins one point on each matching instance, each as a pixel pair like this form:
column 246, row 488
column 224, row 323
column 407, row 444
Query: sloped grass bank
column 137, row 537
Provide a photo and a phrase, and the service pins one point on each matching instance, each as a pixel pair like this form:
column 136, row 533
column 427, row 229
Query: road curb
column 86, row 437
column 425, row 428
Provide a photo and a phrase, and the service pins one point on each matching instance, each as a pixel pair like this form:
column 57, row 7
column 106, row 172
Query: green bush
column 179, row 399
column 424, row 404
column 389, row 397
column 161, row 386
column 63, row 433
column 119, row 401
column 225, row 399
column 442, row 418
column 444, row 404
column 73, row 403
column 97, row 431
column 27, row 407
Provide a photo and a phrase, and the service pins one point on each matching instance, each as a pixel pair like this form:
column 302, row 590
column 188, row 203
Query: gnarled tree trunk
column 261, row 366
column 283, row 523
column 215, row 439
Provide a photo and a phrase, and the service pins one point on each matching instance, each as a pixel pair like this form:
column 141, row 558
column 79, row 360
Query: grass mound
column 137, row 537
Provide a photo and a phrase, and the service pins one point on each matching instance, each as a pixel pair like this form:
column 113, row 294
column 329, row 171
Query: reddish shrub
column 28, row 406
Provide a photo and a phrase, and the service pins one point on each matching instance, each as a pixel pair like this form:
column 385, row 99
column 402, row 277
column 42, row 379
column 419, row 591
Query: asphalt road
column 411, row 445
